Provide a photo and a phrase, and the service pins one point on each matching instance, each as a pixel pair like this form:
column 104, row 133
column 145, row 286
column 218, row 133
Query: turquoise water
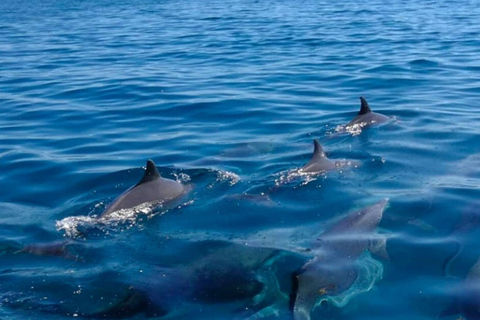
column 227, row 96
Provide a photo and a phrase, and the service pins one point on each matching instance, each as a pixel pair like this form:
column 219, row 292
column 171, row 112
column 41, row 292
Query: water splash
column 357, row 128
column 226, row 176
column 182, row 177
column 297, row 176
column 79, row 226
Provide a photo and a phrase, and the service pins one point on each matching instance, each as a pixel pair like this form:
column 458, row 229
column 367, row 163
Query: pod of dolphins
column 330, row 267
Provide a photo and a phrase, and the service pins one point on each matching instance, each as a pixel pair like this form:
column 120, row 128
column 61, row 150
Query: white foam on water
column 294, row 175
column 227, row 176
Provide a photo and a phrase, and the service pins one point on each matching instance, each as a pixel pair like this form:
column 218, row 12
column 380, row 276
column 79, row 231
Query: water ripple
column 231, row 94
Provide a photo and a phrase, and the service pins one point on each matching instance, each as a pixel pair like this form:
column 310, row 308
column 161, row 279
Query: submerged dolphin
column 320, row 163
column 366, row 117
column 466, row 297
column 152, row 188
column 469, row 299
column 220, row 273
column 58, row 249
column 333, row 269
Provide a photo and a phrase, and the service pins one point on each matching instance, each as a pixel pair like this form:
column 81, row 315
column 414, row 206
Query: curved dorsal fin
column 317, row 150
column 151, row 173
column 364, row 107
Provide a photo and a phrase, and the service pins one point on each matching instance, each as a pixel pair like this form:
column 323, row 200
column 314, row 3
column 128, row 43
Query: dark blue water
column 227, row 96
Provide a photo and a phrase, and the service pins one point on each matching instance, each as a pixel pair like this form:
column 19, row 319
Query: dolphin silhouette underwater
column 366, row 117
column 220, row 273
column 466, row 296
column 333, row 269
column 230, row 273
column 331, row 261
column 152, row 188
column 320, row 163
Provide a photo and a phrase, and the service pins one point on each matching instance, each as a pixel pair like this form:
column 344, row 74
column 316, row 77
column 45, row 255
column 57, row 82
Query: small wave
column 226, row 176
column 71, row 225
column 357, row 128
column 129, row 215
column 301, row 178
column 353, row 130
column 182, row 177
column 297, row 175
column 78, row 226
column 424, row 62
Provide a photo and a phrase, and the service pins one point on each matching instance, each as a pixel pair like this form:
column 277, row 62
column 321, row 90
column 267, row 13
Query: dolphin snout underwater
column 152, row 188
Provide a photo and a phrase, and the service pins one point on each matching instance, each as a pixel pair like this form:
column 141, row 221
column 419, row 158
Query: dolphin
column 320, row 163
column 466, row 296
column 58, row 248
column 366, row 117
column 333, row 269
column 470, row 297
column 220, row 273
column 152, row 188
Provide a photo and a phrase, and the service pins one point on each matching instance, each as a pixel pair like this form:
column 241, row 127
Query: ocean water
column 227, row 96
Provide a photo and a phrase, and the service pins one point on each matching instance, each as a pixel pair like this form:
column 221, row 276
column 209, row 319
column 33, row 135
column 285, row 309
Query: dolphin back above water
column 152, row 188
column 333, row 269
column 320, row 163
column 366, row 117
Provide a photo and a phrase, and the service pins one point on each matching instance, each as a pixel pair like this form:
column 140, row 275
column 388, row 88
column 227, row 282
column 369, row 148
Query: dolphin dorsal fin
column 151, row 173
column 364, row 107
column 317, row 150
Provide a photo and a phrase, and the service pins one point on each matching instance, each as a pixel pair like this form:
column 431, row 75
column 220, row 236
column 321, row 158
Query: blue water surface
column 227, row 96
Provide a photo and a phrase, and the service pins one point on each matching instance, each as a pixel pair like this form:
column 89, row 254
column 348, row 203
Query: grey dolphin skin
column 152, row 188
column 366, row 117
column 469, row 300
column 333, row 270
column 467, row 296
column 320, row 163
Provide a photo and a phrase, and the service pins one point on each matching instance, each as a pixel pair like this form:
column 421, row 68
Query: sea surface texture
column 226, row 98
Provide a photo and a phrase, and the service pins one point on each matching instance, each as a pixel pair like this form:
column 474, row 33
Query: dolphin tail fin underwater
column 364, row 107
